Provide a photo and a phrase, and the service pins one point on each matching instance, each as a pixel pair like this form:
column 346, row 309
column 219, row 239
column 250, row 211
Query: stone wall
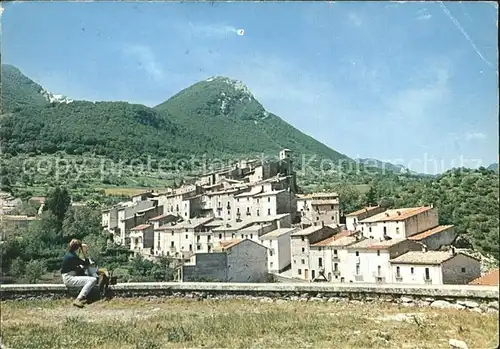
column 467, row 297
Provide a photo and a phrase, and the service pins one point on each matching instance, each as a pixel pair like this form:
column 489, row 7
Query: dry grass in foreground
column 183, row 323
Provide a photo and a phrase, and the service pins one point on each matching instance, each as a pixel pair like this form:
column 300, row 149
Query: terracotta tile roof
column 276, row 233
column 363, row 210
column 140, row 227
column 334, row 240
column 489, row 279
column 430, row 232
column 420, row 257
column 226, row 244
column 373, row 244
column 310, row 230
column 396, row 214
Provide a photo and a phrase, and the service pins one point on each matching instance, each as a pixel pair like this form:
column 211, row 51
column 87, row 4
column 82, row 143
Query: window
column 198, row 247
column 271, row 253
column 335, row 253
column 172, row 244
column 248, row 199
column 232, row 235
column 238, row 210
column 294, row 261
column 271, row 264
column 397, row 230
column 248, row 211
column 268, row 211
column 313, row 274
column 333, row 218
column 303, row 261
column 258, row 213
column 320, row 249
column 320, row 262
column 220, row 236
column 186, row 230
column 299, row 271
column 302, row 238
column 209, row 237
column 354, row 220
column 198, row 238
column 317, row 218
column 463, row 270
column 238, row 199
column 427, row 274
column 370, row 229
column 412, row 271
column 187, row 236
column 378, row 252
column 268, row 199
column 398, row 272
column 332, row 207
column 251, row 236
column 379, row 270
column 336, row 267
column 242, row 236
column 385, row 230
column 172, row 233
column 228, row 212
column 190, row 247
column 357, row 253
column 357, row 269
column 303, row 250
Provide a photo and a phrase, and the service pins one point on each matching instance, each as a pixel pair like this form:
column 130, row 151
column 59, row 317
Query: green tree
column 17, row 268
column 35, row 270
column 58, row 203
column 370, row 198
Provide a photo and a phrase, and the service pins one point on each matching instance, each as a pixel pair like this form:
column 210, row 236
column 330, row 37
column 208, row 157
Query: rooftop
column 140, row 227
column 421, row 257
column 343, row 238
column 232, row 225
column 489, row 279
column 325, row 202
column 310, row 230
column 160, row 217
column 255, row 227
column 276, row 233
column 363, row 210
column 274, row 192
column 373, row 244
column 187, row 224
column 227, row 244
column 254, row 191
column 396, row 214
column 430, row 232
column 318, row 195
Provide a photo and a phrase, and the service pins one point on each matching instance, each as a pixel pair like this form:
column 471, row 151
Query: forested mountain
column 227, row 113
column 219, row 118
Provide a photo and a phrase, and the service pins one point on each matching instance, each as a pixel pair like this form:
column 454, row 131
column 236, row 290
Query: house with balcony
column 368, row 260
column 435, row 268
column 329, row 256
column 142, row 239
column 301, row 240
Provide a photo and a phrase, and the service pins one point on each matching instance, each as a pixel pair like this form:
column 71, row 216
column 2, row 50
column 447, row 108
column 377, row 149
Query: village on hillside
column 247, row 222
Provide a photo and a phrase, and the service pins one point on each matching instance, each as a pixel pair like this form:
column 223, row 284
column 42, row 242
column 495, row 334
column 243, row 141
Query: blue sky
column 412, row 83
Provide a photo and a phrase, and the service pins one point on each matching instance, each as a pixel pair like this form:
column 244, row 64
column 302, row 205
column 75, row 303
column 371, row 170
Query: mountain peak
column 238, row 85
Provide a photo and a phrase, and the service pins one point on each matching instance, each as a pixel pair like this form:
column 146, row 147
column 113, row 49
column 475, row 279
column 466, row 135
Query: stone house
column 232, row 261
column 319, row 208
column 435, row 268
column 142, row 239
column 435, row 238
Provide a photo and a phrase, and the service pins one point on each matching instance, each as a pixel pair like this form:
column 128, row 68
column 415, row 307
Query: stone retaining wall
column 475, row 298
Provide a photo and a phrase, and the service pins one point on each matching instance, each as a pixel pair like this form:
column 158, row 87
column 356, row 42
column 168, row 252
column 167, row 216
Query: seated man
column 73, row 269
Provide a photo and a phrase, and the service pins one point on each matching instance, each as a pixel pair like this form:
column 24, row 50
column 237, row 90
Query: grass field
column 184, row 323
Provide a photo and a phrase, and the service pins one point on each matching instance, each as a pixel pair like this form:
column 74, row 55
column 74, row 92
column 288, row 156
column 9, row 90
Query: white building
column 142, row 239
column 399, row 223
column 301, row 241
column 319, row 208
column 329, row 256
column 369, row 259
column 352, row 219
column 278, row 242
column 435, row 267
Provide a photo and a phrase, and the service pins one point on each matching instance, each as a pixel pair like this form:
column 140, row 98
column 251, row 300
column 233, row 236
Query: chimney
column 322, row 224
column 399, row 213
column 424, row 248
column 452, row 250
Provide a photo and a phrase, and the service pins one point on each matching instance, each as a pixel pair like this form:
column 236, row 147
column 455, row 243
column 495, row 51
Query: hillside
column 212, row 118
column 18, row 91
column 227, row 113
column 369, row 162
